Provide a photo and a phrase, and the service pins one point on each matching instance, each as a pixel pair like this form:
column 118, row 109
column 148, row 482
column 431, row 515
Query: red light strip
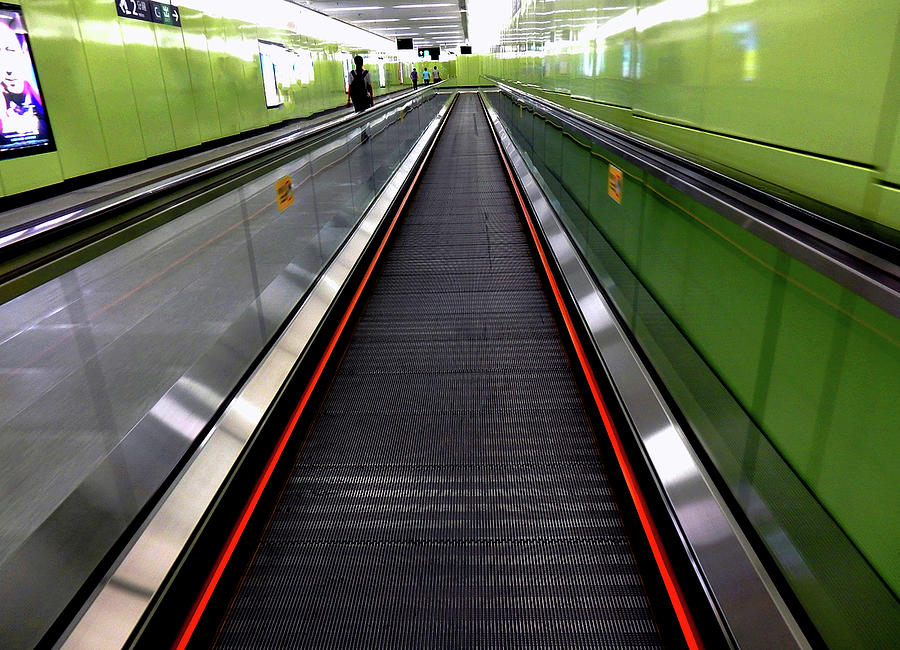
column 679, row 603
column 190, row 625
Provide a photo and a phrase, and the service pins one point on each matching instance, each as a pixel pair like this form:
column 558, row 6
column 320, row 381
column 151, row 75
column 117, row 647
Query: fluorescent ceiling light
column 369, row 8
column 297, row 19
column 434, row 18
column 425, row 6
column 379, row 20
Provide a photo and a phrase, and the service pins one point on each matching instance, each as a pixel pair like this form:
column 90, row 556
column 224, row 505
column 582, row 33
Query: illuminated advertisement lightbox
column 269, row 56
column 282, row 69
column 24, row 126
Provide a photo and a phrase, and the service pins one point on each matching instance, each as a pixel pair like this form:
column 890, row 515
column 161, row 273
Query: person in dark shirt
column 359, row 90
column 414, row 75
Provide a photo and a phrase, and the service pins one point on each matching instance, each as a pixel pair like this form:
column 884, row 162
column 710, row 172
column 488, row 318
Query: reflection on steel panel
column 125, row 594
column 110, row 372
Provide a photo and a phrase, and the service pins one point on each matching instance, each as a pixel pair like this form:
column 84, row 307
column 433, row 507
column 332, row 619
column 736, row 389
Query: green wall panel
column 671, row 135
column 334, row 94
column 802, row 330
column 815, row 365
column 468, row 70
column 177, row 80
column 237, row 63
column 31, row 172
column 892, row 172
column 64, row 74
column 223, row 75
column 620, row 222
column 147, row 81
column 614, row 63
column 110, row 79
column 316, row 98
column 553, row 147
column 795, row 67
column 576, row 164
column 832, row 402
column 887, row 200
column 840, row 184
column 754, row 84
column 693, row 265
column 539, row 138
column 670, row 64
column 203, row 91
column 612, row 114
column 252, row 98
column 860, row 453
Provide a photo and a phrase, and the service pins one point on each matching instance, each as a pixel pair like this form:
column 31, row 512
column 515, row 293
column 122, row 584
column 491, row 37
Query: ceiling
column 427, row 22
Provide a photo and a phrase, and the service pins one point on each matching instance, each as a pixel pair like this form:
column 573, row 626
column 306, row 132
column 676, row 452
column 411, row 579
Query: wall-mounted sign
column 284, row 193
column 24, row 126
column 149, row 11
column 614, row 186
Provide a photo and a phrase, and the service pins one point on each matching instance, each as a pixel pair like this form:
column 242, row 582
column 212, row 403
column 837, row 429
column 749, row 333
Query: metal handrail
column 866, row 266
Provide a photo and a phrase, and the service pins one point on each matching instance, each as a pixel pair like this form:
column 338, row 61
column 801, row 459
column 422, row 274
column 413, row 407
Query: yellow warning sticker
column 284, row 193
column 614, row 188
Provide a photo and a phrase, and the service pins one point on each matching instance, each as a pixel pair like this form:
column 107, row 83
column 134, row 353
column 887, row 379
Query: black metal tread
column 449, row 493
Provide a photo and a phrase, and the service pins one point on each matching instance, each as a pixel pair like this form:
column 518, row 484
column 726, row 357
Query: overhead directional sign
column 149, row 11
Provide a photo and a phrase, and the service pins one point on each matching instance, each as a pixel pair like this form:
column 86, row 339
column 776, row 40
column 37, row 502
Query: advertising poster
column 283, row 68
column 24, row 126
column 269, row 57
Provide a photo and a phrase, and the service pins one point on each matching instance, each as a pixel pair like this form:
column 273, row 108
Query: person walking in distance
column 425, row 75
column 437, row 74
column 414, row 75
column 359, row 90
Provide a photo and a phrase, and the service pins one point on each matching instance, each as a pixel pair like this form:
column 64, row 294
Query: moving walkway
column 438, row 448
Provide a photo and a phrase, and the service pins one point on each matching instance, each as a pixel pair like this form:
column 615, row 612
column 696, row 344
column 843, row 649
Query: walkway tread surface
column 449, row 494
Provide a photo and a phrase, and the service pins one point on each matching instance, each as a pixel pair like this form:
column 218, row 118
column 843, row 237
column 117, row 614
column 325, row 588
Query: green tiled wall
column 801, row 93
column 118, row 91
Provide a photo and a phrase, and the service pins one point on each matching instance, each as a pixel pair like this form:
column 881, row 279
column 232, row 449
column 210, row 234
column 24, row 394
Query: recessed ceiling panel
column 427, row 22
